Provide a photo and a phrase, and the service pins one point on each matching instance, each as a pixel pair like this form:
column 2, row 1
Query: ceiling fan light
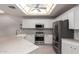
column 37, row 9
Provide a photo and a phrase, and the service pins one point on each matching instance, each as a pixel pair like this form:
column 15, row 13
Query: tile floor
column 44, row 49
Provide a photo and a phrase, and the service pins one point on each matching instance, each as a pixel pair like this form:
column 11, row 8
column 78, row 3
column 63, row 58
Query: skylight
column 36, row 9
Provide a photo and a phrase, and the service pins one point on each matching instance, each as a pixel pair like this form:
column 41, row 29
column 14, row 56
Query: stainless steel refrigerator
column 61, row 30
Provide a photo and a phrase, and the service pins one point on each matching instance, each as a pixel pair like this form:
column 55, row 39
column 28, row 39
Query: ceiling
column 13, row 9
column 36, row 9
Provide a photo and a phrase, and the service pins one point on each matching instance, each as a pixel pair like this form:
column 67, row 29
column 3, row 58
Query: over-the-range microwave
column 39, row 26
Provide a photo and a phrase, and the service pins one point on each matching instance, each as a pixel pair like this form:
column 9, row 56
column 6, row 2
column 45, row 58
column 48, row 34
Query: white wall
column 8, row 25
column 30, row 23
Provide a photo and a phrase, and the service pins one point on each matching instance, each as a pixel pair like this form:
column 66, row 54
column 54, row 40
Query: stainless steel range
column 39, row 38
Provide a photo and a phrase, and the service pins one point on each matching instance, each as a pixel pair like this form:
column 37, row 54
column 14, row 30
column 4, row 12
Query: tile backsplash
column 76, row 34
column 34, row 31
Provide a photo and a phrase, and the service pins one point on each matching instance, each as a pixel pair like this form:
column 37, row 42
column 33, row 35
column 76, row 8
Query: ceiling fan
column 36, row 7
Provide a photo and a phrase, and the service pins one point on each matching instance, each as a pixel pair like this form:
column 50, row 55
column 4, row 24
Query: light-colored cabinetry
column 31, row 38
column 58, row 18
column 48, row 38
column 71, row 18
column 64, row 16
column 70, row 46
column 29, row 23
column 76, row 17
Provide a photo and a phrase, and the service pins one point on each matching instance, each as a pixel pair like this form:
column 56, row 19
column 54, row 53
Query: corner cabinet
column 71, row 18
column 64, row 16
column 76, row 17
column 48, row 38
column 31, row 38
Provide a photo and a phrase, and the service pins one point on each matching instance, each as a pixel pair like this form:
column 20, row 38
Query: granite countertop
column 73, row 41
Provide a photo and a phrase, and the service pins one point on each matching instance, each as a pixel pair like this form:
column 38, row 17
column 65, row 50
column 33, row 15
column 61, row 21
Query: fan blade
column 39, row 10
column 42, row 7
column 32, row 9
column 37, row 5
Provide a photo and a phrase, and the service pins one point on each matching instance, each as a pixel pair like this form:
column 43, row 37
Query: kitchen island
column 12, row 45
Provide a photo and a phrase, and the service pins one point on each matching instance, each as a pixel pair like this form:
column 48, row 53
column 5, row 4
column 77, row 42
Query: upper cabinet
column 76, row 18
column 31, row 23
column 28, row 24
column 58, row 18
column 64, row 16
column 73, row 16
column 71, row 19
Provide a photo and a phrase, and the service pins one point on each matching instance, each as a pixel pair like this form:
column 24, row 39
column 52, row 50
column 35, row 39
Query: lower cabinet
column 70, row 47
column 48, row 38
column 31, row 38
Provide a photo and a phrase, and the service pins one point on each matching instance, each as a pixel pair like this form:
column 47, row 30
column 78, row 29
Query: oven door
column 39, row 40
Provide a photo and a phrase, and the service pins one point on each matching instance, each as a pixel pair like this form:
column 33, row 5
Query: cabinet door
column 48, row 39
column 71, row 18
column 75, row 48
column 70, row 47
column 77, row 17
column 59, row 18
column 66, row 48
column 65, row 16
column 28, row 24
column 31, row 38
column 63, row 48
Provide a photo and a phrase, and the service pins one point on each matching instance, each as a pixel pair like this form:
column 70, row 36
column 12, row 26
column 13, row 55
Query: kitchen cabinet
column 72, row 15
column 66, row 48
column 31, row 38
column 27, row 24
column 64, row 16
column 59, row 18
column 68, row 15
column 48, row 38
column 71, row 18
column 70, row 46
column 31, row 23
column 76, row 17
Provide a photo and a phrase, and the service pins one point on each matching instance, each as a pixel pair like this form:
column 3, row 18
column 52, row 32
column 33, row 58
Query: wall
column 8, row 26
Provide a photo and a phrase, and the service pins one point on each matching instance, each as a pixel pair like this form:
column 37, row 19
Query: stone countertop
column 12, row 45
column 70, row 41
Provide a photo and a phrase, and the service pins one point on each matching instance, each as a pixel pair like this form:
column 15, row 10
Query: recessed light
column 1, row 11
